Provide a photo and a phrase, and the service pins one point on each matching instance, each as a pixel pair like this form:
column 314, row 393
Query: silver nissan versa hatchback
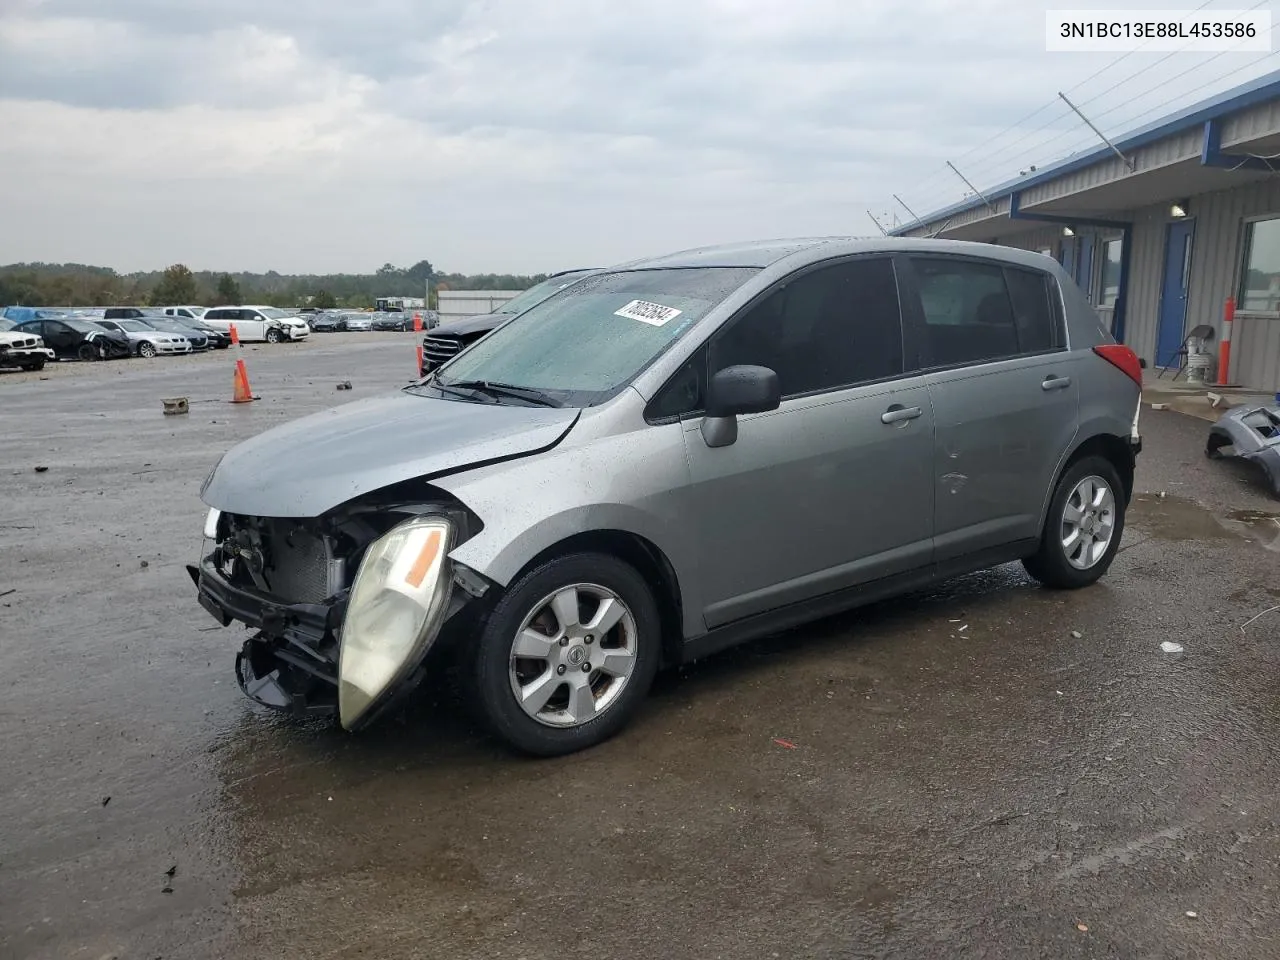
column 668, row 458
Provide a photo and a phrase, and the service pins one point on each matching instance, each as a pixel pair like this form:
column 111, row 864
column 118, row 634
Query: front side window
column 589, row 340
column 832, row 327
column 1260, row 286
column 1111, row 272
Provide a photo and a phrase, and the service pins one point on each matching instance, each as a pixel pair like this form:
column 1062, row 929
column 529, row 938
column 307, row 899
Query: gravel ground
column 983, row 769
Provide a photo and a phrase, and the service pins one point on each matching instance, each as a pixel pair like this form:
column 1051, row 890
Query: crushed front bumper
column 291, row 663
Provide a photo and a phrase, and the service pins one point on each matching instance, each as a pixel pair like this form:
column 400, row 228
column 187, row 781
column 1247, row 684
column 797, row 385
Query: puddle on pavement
column 1178, row 518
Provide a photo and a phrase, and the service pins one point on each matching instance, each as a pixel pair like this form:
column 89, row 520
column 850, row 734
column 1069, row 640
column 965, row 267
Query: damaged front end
column 1252, row 433
column 344, row 607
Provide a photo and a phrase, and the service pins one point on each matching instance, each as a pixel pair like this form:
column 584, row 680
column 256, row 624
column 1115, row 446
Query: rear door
column 833, row 488
column 1003, row 390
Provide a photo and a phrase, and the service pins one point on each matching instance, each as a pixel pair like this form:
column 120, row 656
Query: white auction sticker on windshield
column 654, row 314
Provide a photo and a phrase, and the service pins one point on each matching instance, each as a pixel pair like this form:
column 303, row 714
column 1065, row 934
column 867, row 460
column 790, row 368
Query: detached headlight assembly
column 394, row 613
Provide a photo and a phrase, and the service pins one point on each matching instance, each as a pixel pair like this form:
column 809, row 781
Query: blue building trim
column 1211, row 154
column 1251, row 94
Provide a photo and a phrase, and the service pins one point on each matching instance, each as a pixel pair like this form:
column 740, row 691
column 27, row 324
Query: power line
column 1006, row 159
column 990, row 142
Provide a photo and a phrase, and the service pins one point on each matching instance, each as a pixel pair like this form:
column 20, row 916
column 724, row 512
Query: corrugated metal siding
column 1146, row 274
column 1260, row 121
column 1216, row 269
column 1175, row 149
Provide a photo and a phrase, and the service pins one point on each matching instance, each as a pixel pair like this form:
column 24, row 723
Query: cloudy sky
column 528, row 135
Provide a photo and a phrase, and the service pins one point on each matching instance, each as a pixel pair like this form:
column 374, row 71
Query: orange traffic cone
column 235, row 337
column 417, row 324
column 242, row 393
column 420, row 371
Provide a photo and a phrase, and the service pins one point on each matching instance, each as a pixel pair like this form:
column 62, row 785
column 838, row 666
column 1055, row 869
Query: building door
column 1069, row 255
column 1084, row 267
column 1173, row 294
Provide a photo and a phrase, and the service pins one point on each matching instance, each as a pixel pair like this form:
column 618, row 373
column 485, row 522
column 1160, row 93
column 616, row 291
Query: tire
column 87, row 351
column 274, row 336
column 34, row 365
column 147, row 350
column 613, row 698
column 1055, row 564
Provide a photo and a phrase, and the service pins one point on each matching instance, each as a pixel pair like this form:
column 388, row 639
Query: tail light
column 1123, row 359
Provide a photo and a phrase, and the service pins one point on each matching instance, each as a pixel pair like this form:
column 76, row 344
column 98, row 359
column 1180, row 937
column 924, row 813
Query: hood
column 10, row 337
column 308, row 467
column 465, row 326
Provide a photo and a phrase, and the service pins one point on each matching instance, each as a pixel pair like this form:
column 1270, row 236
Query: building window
column 1111, row 272
column 1260, row 287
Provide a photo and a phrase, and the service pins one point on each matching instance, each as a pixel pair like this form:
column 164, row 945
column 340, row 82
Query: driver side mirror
column 734, row 391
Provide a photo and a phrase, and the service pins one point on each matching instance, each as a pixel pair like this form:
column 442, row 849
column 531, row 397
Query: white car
column 258, row 323
column 22, row 349
column 146, row 340
column 185, row 313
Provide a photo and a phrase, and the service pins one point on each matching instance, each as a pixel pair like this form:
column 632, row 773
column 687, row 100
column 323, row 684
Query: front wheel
column 147, row 350
column 1083, row 527
column 87, row 351
column 274, row 336
column 568, row 654
column 34, row 365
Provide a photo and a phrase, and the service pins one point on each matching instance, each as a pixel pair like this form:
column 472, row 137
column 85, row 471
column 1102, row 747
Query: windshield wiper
column 496, row 388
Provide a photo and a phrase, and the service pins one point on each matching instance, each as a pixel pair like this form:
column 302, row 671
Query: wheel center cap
column 577, row 655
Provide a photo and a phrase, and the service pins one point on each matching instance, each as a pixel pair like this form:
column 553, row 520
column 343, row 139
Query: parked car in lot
column 21, row 349
column 257, row 323
column 359, row 321
column 329, row 323
column 668, row 458
column 74, row 338
column 392, row 320
column 145, row 340
column 187, row 312
column 200, row 339
column 446, row 340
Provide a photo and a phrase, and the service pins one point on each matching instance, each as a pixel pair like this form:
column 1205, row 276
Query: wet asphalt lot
column 968, row 777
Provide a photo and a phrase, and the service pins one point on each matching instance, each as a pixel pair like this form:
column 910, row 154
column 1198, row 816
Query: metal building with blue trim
column 1159, row 231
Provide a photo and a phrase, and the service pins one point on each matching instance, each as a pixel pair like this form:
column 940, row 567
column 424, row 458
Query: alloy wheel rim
column 1088, row 522
column 573, row 655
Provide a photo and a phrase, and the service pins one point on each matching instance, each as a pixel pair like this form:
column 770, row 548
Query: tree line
column 82, row 285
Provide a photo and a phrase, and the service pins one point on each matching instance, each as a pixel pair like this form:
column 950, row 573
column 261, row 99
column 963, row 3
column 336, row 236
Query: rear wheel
column 147, row 350
column 87, row 351
column 1083, row 527
column 568, row 654
column 274, row 336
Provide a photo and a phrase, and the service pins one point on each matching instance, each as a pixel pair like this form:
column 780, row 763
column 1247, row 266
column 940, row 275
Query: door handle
column 899, row 414
column 1052, row 382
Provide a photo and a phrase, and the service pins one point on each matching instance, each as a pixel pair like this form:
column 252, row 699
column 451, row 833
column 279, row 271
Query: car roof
column 802, row 250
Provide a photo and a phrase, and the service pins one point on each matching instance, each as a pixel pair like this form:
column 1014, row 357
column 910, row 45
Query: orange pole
column 1224, row 344
column 419, row 359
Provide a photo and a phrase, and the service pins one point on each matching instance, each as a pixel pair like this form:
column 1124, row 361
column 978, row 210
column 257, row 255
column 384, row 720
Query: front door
column 832, row 489
column 1173, row 294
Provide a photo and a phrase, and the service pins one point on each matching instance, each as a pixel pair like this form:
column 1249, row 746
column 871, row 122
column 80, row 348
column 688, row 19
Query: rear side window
column 967, row 312
column 1033, row 313
column 214, row 315
column 979, row 312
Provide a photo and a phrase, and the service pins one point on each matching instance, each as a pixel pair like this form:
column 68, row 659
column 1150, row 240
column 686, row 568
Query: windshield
column 583, row 344
column 540, row 291
column 273, row 313
column 135, row 326
column 84, row 326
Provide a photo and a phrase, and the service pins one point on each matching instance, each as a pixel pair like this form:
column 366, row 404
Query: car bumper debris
column 1253, row 434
